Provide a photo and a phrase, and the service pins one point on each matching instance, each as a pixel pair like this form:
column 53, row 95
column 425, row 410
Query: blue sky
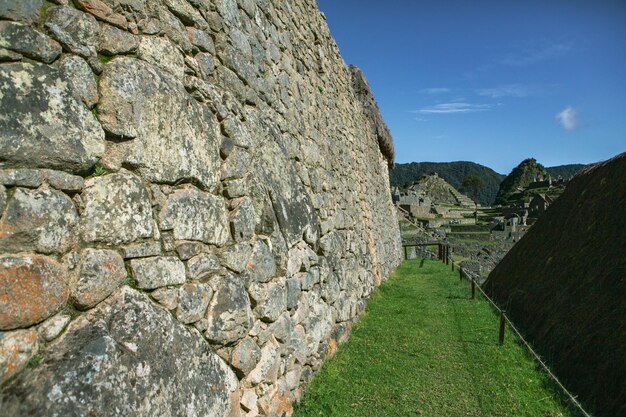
column 492, row 82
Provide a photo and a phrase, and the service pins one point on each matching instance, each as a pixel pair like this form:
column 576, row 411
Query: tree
column 472, row 184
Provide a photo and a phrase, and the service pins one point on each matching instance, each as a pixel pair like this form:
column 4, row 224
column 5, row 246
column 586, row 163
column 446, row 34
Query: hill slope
column 453, row 172
column 522, row 175
column 564, row 171
column 563, row 284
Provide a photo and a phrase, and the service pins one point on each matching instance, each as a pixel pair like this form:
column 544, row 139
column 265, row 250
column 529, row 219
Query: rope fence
column 505, row 319
column 444, row 255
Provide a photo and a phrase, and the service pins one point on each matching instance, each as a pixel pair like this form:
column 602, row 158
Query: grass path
column 423, row 348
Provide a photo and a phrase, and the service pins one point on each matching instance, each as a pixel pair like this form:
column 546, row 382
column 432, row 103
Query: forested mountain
column 527, row 171
column 454, row 173
column 565, row 171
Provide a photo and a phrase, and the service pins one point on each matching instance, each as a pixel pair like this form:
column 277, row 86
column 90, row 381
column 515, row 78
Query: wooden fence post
column 502, row 322
column 460, row 274
column 473, row 288
column 405, row 254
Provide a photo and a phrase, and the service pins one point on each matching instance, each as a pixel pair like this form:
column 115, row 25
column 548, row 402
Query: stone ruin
column 194, row 203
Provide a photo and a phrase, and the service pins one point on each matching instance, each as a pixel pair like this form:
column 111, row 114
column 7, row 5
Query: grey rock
column 281, row 329
column 101, row 272
column 117, row 209
column 203, row 266
column 32, row 288
column 9, row 56
column 240, row 41
column 193, row 300
column 243, row 220
column 270, row 300
column 28, row 42
column 196, row 215
column 160, row 271
column 201, row 39
column 142, row 250
column 206, row 65
column 21, row 177
column 33, row 178
column 137, row 101
column 167, row 297
column 172, row 27
column 16, row 349
column 63, row 181
column 267, row 368
column 81, row 79
column 237, row 165
column 245, row 357
column 90, row 368
column 52, row 328
column 330, row 287
column 185, row 12
column 292, row 205
column 236, row 188
column 3, row 199
column 161, row 53
column 262, row 266
column 237, row 131
column 60, row 134
column 236, row 257
column 187, row 250
column 27, row 11
column 229, row 314
column 114, row 41
column 294, row 288
column 331, row 243
column 75, row 30
column 343, row 307
column 40, row 220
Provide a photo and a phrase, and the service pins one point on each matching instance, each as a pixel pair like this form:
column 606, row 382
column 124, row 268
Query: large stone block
column 27, row 11
column 196, row 215
column 157, row 272
column 292, row 204
column 176, row 138
column 229, row 315
column 16, row 348
column 75, row 30
column 32, row 288
column 40, row 220
column 81, row 79
column 44, row 125
column 161, row 53
column 193, row 300
column 125, row 357
column 28, row 42
column 101, row 272
column 117, row 209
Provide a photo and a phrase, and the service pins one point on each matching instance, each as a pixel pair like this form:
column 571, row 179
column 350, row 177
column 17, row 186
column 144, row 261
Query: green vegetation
column 454, row 173
column 320, row 89
column 521, row 176
column 424, row 348
column 565, row 171
column 104, row 58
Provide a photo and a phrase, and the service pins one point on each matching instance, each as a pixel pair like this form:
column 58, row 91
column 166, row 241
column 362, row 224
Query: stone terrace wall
column 195, row 205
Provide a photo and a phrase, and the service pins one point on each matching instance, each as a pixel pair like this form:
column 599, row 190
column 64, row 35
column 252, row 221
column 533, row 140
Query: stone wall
column 195, row 205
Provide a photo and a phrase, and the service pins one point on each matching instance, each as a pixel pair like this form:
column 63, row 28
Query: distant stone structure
column 194, row 205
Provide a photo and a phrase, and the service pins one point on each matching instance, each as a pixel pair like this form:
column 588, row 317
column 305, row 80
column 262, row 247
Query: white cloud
column 436, row 90
column 448, row 108
column 511, row 90
column 535, row 53
column 568, row 118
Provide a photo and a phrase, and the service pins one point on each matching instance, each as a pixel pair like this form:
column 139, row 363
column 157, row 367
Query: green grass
column 423, row 348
